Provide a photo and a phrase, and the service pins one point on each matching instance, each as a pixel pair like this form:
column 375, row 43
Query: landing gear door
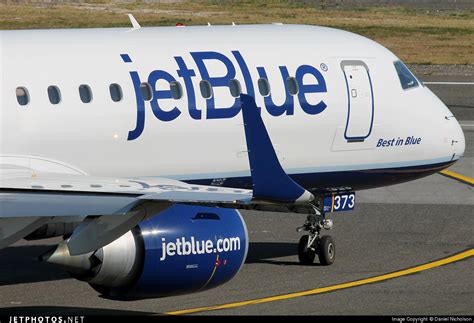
column 360, row 98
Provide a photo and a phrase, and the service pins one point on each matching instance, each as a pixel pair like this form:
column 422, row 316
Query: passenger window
column 176, row 90
column 54, row 94
column 146, row 91
column 206, row 89
column 264, row 87
column 235, row 88
column 292, row 85
column 85, row 93
column 407, row 79
column 115, row 92
column 22, row 95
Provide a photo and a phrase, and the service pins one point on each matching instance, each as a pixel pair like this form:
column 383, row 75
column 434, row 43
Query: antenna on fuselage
column 134, row 22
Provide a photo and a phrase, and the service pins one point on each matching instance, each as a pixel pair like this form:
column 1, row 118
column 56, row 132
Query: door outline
column 357, row 63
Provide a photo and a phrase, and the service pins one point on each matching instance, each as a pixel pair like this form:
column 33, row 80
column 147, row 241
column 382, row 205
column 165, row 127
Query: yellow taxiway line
column 458, row 177
column 376, row 279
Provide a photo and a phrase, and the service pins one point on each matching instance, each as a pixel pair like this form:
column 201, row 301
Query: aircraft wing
column 109, row 207
column 25, row 192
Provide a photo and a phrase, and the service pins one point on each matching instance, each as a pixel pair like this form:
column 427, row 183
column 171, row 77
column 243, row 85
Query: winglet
column 133, row 21
column 270, row 182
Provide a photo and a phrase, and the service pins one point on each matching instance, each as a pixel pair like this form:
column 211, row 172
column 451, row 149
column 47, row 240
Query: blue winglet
column 270, row 182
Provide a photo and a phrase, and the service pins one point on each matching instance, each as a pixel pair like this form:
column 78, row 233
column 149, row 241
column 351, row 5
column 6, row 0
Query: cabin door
column 360, row 101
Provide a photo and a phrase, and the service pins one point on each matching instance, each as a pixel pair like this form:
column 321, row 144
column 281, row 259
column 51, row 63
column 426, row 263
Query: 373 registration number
column 335, row 202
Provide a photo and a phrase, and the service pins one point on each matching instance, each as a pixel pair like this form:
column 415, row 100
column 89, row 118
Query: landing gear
column 313, row 244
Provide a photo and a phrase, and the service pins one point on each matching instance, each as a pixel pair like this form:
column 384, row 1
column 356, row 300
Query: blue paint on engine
column 178, row 257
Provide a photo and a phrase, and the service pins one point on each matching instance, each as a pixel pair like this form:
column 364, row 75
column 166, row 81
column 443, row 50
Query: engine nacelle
column 182, row 250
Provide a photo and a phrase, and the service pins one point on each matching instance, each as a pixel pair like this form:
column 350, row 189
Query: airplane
column 140, row 145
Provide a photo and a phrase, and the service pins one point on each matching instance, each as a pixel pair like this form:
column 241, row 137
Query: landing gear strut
column 313, row 243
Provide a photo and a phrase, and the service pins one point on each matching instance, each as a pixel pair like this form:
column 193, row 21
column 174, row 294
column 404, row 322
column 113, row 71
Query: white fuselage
column 389, row 127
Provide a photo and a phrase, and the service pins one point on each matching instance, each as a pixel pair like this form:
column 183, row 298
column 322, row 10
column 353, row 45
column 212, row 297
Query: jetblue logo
column 309, row 80
column 183, row 247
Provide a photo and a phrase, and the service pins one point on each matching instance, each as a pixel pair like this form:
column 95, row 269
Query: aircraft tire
column 306, row 256
column 326, row 250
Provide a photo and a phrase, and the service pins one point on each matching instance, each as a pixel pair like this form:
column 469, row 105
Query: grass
column 417, row 36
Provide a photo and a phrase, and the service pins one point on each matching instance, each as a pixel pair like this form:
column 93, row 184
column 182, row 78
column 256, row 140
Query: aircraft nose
column 456, row 138
column 454, row 142
column 461, row 144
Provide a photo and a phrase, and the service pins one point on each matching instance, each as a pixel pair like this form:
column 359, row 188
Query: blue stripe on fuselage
column 354, row 179
column 321, row 169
